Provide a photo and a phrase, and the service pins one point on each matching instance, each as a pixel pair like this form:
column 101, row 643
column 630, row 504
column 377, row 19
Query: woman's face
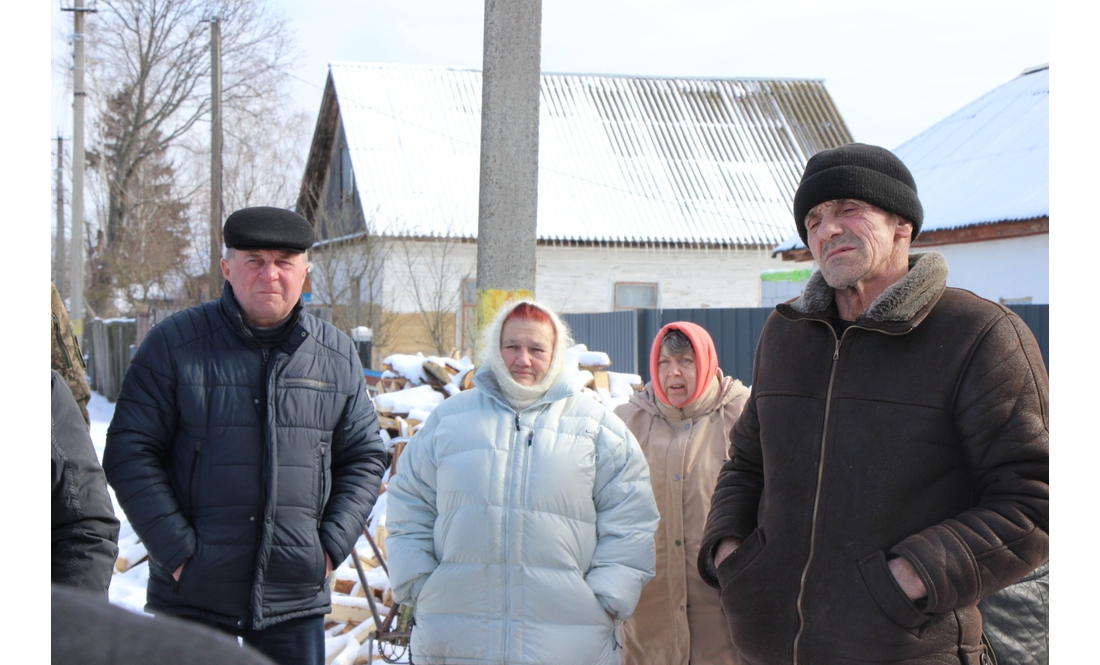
column 527, row 348
column 676, row 374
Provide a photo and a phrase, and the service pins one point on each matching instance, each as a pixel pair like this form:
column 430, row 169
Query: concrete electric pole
column 508, row 195
column 76, row 272
column 59, row 240
column 215, row 157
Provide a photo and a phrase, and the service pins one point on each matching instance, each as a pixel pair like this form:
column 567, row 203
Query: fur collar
column 924, row 282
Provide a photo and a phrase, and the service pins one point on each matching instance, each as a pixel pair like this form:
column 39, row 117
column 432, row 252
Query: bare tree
column 148, row 66
column 434, row 269
column 347, row 272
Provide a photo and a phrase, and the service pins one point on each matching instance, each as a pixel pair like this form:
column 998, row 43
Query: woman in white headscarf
column 521, row 517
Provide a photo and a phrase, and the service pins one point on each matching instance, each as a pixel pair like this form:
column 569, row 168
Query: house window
column 635, row 295
column 347, row 176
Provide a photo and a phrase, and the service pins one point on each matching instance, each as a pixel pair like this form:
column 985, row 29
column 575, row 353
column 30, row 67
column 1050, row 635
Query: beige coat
column 679, row 618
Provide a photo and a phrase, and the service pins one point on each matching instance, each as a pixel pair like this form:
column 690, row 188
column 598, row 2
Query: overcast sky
column 892, row 68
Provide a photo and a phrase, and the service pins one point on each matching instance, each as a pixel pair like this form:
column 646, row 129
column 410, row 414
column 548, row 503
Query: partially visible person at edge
column 682, row 421
column 244, row 448
column 84, row 532
column 1016, row 621
column 88, row 630
column 890, row 468
column 521, row 517
column 65, row 355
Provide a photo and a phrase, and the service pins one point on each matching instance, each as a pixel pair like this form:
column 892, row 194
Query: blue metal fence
column 626, row 336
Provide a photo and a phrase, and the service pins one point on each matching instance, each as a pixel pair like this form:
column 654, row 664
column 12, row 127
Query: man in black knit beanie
column 889, row 470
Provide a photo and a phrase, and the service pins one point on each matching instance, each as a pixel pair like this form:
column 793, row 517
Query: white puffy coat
column 515, row 534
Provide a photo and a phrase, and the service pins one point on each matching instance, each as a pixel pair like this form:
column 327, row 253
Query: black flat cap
column 263, row 227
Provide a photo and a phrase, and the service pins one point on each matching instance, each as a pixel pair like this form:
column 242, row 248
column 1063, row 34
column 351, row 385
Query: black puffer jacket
column 84, row 535
column 247, row 464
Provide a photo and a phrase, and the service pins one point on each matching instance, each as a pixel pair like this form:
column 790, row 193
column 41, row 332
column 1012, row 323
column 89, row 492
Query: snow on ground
column 128, row 588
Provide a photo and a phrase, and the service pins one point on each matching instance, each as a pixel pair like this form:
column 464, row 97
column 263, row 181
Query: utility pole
column 59, row 241
column 76, row 272
column 215, row 157
column 508, row 194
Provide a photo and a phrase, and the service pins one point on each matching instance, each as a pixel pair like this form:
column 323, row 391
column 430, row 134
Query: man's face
column 266, row 282
column 855, row 242
column 527, row 348
column 677, row 375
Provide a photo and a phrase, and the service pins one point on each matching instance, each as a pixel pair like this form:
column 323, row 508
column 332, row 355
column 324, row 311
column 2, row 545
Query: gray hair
column 231, row 251
column 676, row 343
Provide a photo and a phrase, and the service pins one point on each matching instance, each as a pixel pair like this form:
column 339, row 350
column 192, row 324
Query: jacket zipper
column 817, row 501
column 257, row 609
column 507, row 550
column 320, row 484
column 61, row 342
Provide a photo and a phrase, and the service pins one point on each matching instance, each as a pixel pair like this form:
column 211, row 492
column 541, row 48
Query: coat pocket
column 735, row 564
column 888, row 595
column 315, row 384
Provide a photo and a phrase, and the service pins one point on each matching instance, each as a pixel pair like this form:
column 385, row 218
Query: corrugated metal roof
column 621, row 159
column 988, row 161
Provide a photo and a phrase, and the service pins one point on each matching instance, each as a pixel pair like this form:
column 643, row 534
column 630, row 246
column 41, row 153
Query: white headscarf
column 521, row 396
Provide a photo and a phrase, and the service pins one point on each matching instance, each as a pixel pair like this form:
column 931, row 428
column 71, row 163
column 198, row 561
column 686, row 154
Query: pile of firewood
column 432, row 379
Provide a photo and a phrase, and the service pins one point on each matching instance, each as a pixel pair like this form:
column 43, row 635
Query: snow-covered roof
column 985, row 163
column 621, row 159
column 988, row 161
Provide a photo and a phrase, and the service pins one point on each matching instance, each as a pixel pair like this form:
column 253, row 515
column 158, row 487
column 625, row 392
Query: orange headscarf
column 706, row 358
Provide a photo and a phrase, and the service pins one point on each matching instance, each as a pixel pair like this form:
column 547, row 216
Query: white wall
column 582, row 279
column 995, row 269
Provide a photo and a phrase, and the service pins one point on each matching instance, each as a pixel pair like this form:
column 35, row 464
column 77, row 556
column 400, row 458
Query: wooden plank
column 436, row 371
column 349, row 614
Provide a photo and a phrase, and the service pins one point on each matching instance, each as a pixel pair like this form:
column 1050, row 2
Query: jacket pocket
column 183, row 583
column 735, row 564
column 193, row 482
column 322, row 480
column 309, row 383
column 887, row 593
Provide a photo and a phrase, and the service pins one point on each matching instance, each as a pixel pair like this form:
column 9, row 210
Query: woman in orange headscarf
column 682, row 420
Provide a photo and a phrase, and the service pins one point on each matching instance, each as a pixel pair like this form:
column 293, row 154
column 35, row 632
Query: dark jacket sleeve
column 358, row 462
column 85, row 530
column 138, row 442
column 736, row 497
column 1002, row 420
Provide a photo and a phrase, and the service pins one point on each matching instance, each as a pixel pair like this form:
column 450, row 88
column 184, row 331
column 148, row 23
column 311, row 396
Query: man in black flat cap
column 889, row 470
column 244, row 449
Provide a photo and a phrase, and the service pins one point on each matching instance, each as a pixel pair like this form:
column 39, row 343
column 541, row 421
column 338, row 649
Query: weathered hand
column 907, row 578
column 726, row 547
column 176, row 573
column 328, row 566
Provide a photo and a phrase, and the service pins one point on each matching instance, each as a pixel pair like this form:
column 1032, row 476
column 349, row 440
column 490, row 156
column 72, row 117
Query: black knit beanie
column 862, row 172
